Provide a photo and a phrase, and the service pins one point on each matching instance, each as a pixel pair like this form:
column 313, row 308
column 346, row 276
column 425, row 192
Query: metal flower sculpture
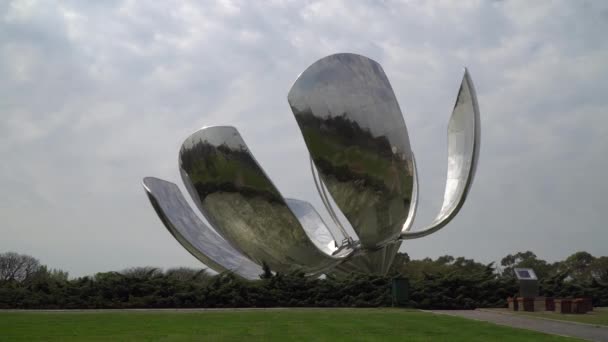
column 360, row 159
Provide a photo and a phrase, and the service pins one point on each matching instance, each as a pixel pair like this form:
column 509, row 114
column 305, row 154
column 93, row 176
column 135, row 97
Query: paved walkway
column 583, row 331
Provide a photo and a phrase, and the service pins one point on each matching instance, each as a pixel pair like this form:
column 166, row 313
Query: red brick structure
column 578, row 306
column 559, row 305
column 563, row 305
column 525, row 304
column 581, row 305
column 512, row 301
column 549, row 304
column 589, row 303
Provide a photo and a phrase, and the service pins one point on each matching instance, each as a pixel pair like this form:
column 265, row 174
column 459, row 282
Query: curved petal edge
column 464, row 133
column 194, row 235
column 411, row 216
column 313, row 225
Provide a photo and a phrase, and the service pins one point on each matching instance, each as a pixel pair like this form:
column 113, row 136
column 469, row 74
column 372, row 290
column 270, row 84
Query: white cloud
column 97, row 95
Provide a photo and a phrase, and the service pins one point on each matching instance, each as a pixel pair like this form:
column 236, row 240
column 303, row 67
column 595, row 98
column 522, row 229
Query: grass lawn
column 251, row 325
column 599, row 316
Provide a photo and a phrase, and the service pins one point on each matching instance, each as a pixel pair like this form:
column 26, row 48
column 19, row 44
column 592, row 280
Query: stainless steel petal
column 370, row 261
column 313, row 225
column 411, row 216
column 380, row 261
column 463, row 154
column 322, row 190
column 238, row 199
column 198, row 238
column 355, row 132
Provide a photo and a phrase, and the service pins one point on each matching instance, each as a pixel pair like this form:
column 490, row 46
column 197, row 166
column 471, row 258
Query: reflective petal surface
column 411, row 216
column 463, row 153
column 313, row 224
column 380, row 261
column 240, row 201
column 356, row 135
column 200, row 240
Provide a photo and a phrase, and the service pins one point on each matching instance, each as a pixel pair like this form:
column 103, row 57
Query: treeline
column 460, row 283
column 446, row 283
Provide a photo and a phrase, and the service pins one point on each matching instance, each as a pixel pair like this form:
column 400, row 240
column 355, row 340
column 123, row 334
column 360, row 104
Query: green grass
column 599, row 316
column 255, row 325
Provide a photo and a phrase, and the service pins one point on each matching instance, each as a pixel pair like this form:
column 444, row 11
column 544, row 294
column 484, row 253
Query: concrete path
column 583, row 331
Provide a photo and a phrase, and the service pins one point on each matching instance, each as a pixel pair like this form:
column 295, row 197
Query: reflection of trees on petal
column 243, row 205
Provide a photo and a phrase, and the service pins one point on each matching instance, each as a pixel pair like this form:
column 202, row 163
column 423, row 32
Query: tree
column 445, row 260
column 184, row 274
column 578, row 265
column 17, row 267
column 444, row 283
column 142, row 272
column 599, row 269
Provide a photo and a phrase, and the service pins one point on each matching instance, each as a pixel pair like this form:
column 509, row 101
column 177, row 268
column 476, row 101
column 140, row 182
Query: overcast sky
column 96, row 95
